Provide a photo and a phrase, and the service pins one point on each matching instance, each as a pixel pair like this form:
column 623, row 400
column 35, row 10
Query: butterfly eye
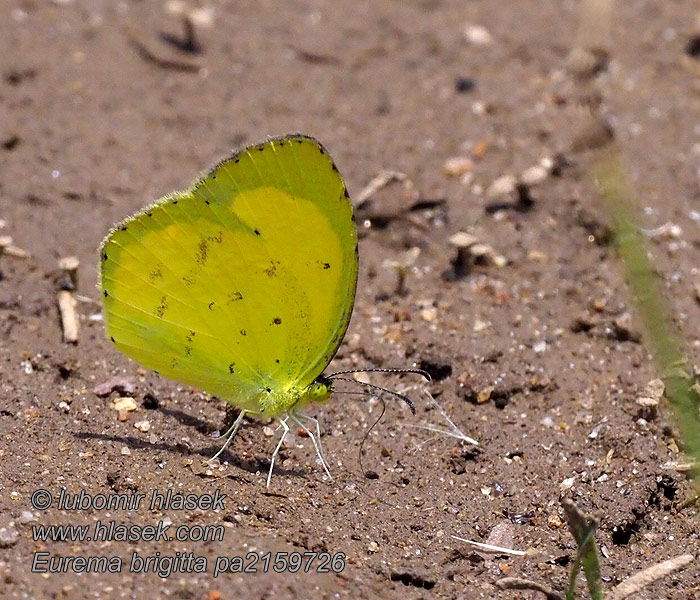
column 319, row 392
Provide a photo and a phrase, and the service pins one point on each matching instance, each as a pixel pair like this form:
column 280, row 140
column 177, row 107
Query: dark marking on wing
column 243, row 332
column 346, row 193
column 257, row 232
column 174, row 363
column 188, row 350
column 162, row 307
column 123, row 228
column 236, row 160
column 230, row 368
column 211, row 305
column 277, row 360
column 104, row 256
column 233, row 296
column 189, row 278
column 149, row 214
column 190, row 335
column 261, row 148
column 155, row 274
column 320, row 149
column 206, row 202
column 268, row 390
column 174, row 201
column 111, row 337
column 201, row 257
column 277, row 321
column 281, row 143
column 326, row 265
column 272, row 269
column 105, row 293
column 216, row 238
column 334, row 167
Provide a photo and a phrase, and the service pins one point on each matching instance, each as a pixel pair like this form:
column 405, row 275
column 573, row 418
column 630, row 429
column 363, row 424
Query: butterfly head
column 320, row 390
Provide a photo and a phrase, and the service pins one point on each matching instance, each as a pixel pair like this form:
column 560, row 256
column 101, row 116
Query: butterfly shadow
column 257, row 464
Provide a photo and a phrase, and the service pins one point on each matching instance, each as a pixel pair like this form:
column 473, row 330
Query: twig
column 67, row 284
column 69, row 318
column 516, row 583
column 492, row 548
column 645, row 578
column 8, row 249
column 377, row 183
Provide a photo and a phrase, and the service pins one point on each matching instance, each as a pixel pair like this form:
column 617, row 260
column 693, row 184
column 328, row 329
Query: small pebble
column 429, row 314
column 125, row 451
column 537, row 256
column 144, row 426
column 567, row 484
column 540, row 347
column 484, row 395
column 477, row 35
column 501, row 186
column 8, row 536
column 534, row 175
column 652, row 393
column 554, row 522
column 587, row 62
column 26, row 516
column 457, row 165
column 120, row 383
column 596, row 133
column 623, row 329
column 125, row 403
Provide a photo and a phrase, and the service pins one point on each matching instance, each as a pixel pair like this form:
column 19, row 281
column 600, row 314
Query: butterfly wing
column 245, row 282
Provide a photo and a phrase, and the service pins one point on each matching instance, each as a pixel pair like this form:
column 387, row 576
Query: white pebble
column 477, row 35
column 502, row 186
column 534, row 175
column 26, row 516
column 567, row 484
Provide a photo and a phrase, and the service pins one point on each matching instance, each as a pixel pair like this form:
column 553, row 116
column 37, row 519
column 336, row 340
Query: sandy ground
column 532, row 354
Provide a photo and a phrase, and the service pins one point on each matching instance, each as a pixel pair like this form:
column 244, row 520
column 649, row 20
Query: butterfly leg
column 283, row 424
column 317, row 443
column 230, row 433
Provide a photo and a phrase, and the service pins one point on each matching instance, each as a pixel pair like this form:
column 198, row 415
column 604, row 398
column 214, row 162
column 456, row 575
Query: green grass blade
column 661, row 335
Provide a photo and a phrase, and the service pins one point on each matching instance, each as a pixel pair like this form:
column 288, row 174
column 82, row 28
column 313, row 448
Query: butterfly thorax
column 273, row 403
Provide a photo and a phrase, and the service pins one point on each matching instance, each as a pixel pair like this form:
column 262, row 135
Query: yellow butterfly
column 244, row 284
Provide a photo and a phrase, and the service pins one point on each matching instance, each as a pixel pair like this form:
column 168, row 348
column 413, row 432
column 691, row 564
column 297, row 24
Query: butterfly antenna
column 402, row 371
column 405, row 399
